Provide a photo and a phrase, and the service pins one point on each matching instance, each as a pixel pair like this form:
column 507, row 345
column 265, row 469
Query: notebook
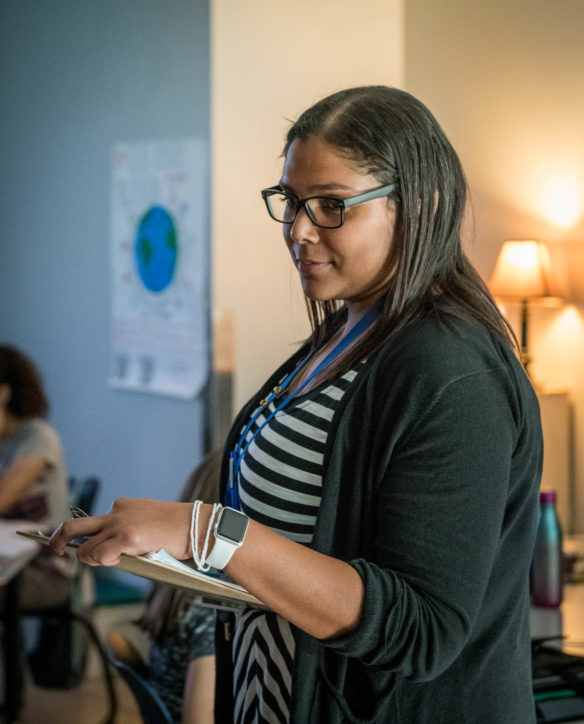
column 214, row 589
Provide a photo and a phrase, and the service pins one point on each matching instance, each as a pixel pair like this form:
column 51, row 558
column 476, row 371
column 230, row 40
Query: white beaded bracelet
column 200, row 560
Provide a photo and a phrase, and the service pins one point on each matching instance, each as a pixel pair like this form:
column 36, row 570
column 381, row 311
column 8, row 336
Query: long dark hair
column 165, row 603
column 27, row 394
column 393, row 136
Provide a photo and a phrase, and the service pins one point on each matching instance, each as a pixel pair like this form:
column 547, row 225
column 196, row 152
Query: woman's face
column 351, row 263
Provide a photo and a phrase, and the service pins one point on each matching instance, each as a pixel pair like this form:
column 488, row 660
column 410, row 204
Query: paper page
column 162, row 567
column 163, row 557
column 159, row 266
column 12, row 544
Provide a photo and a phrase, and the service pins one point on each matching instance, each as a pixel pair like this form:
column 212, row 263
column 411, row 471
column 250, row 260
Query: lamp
column 522, row 274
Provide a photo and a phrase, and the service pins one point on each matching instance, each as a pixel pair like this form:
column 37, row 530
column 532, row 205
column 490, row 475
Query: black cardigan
column 433, row 464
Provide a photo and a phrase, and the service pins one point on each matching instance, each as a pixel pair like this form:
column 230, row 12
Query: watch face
column 232, row 525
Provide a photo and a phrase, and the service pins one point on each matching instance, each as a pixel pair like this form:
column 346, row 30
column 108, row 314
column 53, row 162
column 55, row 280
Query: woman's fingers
column 108, row 536
column 100, row 550
column 133, row 525
column 74, row 528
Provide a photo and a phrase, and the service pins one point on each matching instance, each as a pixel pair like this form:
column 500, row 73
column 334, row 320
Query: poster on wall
column 159, row 267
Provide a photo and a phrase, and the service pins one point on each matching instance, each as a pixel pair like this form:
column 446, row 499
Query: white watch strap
column 221, row 553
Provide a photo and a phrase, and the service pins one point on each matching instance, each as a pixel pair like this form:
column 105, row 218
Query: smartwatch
column 229, row 530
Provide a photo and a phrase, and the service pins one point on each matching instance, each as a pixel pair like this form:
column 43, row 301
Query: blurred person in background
column 182, row 647
column 33, row 477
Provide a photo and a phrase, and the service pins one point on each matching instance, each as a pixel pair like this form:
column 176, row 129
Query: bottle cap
column 547, row 496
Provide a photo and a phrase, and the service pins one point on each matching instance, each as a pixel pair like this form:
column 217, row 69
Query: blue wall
column 75, row 78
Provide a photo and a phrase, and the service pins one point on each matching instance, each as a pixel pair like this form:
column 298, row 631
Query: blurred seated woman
column 33, row 479
column 182, row 647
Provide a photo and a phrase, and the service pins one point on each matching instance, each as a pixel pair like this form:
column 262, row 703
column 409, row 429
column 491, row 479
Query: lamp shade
column 522, row 271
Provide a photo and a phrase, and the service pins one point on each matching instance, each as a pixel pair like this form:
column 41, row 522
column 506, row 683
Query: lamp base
column 525, row 355
column 526, row 360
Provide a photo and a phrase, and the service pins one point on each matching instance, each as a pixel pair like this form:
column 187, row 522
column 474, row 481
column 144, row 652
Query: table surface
column 567, row 620
column 15, row 551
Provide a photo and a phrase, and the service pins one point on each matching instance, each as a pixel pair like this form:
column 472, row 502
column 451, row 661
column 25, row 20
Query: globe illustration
column 156, row 249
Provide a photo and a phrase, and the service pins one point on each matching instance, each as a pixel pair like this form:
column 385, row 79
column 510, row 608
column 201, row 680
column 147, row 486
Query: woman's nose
column 302, row 229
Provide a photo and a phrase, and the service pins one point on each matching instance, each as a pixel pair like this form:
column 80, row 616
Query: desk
column 568, row 621
column 15, row 554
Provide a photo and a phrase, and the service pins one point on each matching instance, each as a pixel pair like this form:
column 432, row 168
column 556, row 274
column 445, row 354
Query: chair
column 134, row 671
column 122, row 649
column 83, row 492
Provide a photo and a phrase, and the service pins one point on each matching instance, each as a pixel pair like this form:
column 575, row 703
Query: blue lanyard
column 232, row 492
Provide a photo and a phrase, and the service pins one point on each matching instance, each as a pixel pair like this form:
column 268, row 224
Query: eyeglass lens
column 321, row 210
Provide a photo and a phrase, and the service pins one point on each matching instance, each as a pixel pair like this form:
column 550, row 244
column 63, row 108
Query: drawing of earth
column 156, row 249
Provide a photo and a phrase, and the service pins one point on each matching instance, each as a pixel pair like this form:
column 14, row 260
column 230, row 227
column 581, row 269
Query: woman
column 33, row 479
column 392, row 501
column 182, row 651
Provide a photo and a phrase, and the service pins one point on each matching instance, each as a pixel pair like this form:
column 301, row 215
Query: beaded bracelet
column 200, row 560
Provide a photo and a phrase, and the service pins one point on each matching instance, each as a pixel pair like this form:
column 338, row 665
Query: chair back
column 83, row 490
column 152, row 708
column 67, row 627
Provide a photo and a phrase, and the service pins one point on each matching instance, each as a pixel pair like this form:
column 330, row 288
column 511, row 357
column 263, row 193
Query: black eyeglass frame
column 342, row 204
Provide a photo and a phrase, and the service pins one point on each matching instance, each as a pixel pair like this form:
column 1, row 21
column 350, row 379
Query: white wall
column 269, row 61
column 505, row 80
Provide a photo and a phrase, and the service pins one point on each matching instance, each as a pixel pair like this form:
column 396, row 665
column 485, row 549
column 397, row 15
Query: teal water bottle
column 546, row 567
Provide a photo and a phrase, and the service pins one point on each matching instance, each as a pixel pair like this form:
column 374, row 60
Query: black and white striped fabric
column 280, row 485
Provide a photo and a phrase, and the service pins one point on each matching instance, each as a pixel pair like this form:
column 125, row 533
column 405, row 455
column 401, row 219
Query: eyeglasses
column 324, row 211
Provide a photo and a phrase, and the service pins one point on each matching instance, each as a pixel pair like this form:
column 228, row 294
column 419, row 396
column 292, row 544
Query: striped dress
column 280, row 483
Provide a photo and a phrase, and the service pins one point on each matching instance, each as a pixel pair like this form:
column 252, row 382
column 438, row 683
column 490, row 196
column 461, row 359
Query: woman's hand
column 133, row 525
column 319, row 594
